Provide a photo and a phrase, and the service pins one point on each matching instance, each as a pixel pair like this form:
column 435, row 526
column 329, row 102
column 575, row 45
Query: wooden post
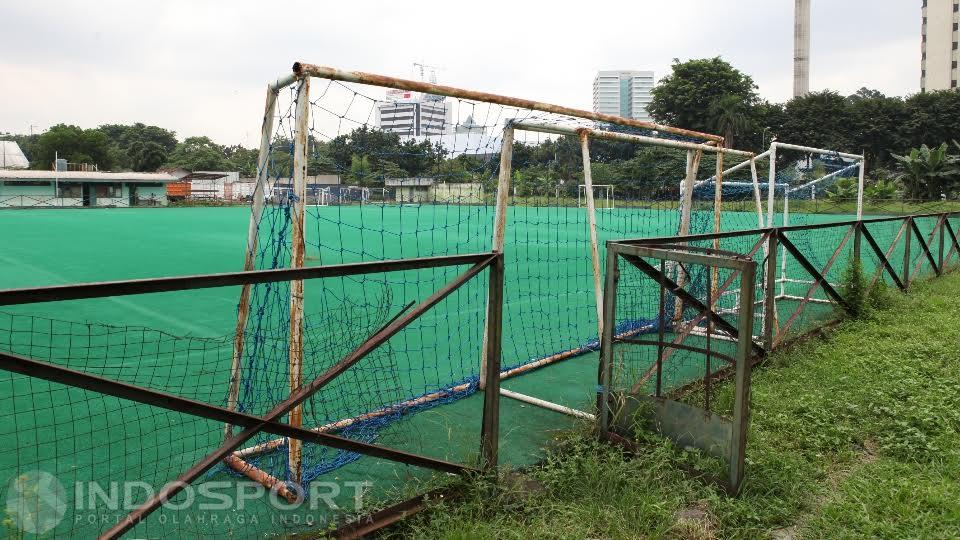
column 298, row 249
column 592, row 224
column 490, row 423
column 499, row 226
column 686, row 208
column 256, row 211
column 771, row 183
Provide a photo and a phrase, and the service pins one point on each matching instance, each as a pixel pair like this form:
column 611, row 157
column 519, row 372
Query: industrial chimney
column 801, row 48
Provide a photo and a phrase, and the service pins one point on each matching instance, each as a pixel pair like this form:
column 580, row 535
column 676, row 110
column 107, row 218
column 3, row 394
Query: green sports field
column 184, row 347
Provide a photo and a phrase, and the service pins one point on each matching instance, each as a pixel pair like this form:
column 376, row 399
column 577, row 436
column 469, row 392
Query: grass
column 853, row 436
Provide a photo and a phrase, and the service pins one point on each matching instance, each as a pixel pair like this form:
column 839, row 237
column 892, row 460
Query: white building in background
column 623, row 93
column 939, row 52
column 414, row 114
column 19, row 188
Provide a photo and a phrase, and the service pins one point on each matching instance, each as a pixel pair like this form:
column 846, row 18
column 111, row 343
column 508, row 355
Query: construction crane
column 433, row 71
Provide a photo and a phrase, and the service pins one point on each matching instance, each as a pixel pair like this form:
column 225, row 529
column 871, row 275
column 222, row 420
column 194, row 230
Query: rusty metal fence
column 139, row 427
column 716, row 303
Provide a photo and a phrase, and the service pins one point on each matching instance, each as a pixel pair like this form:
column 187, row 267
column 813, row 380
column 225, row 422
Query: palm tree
column 728, row 115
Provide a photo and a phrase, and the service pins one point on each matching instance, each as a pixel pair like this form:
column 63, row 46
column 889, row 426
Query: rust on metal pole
column 499, row 224
column 305, row 69
column 686, row 210
column 256, row 211
column 717, row 209
column 558, row 129
column 297, row 254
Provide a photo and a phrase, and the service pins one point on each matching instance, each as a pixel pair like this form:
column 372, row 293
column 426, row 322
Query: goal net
column 602, row 196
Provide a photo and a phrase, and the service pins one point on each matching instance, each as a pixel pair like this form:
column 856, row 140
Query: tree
column 820, row 119
column 876, row 125
column 684, row 97
column 928, row 173
column 198, row 154
column 730, row 116
column 139, row 147
column 932, row 118
column 74, row 144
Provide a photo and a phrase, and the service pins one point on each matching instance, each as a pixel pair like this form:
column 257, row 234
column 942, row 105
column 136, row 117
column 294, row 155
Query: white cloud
column 201, row 67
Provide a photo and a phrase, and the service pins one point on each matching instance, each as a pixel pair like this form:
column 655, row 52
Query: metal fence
column 32, row 383
column 719, row 302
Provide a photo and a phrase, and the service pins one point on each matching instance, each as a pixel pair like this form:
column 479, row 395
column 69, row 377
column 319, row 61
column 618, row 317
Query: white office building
column 413, row 114
column 939, row 52
column 623, row 93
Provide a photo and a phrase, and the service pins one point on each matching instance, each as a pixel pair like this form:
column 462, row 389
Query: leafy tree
column 74, row 144
column 876, row 125
column 933, row 117
column 198, row 154
column 928, row 172
column 731, row 117
column 139, row 147
column 819, row 119
column 684, row 98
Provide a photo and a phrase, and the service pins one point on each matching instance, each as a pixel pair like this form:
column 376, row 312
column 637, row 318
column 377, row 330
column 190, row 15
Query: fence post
column 942, row 222
column 605, row 371
column 490, row 424
column 741, row 404
column 770, row 292
column 857, row 238
column 499, row 222
column 906, row 251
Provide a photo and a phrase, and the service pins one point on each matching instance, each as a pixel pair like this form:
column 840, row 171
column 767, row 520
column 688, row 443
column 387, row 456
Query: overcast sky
column 200, row 67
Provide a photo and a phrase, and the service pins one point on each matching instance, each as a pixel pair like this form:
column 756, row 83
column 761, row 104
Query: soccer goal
column 602, row 196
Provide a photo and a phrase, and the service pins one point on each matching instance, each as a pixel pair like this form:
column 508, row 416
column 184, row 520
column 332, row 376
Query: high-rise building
column 414, row 114
column 623, row 93
column 938, row 50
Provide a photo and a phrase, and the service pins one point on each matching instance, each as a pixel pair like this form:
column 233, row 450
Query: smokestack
column 801, row 48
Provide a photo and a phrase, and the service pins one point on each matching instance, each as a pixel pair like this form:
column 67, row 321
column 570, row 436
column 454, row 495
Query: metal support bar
column 906, row 252
column 298, row 397
column 770, row 293
column 741, row 404
column 883, row 258
column 813, row 271
column 304, row 69
column 499, row 223
column 81, row 291
column 298, row 250
column 592, row 226
column 925, row 247
column 605, row 367
column 78, row 379
column 490, row 423
column 549, row 405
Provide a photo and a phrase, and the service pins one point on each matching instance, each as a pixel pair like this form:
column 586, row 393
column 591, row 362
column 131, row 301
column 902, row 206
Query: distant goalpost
column 602, row 196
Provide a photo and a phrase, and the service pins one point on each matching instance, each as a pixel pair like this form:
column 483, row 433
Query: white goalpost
column 602, row 196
